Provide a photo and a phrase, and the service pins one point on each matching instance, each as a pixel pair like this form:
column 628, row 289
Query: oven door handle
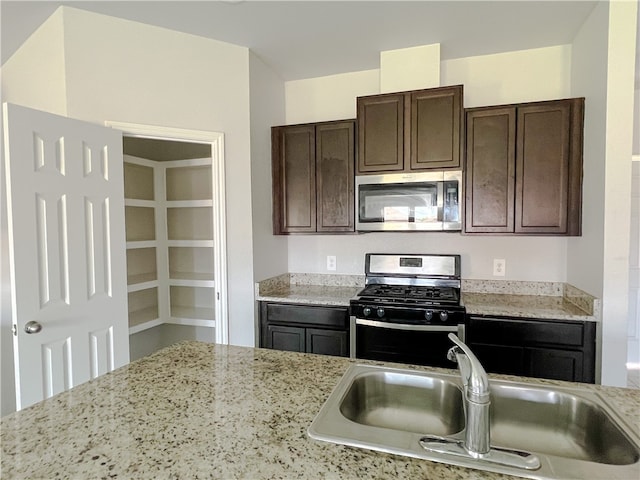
column 404, row 326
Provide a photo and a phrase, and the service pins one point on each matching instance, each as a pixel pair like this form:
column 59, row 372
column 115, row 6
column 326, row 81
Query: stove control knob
column 366, row 311
column 428, row 315
column 380, row 312
column 444, row 315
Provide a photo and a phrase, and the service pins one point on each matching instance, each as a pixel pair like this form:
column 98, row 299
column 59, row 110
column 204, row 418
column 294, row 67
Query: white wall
column 604, row 63
column 7, row 379
column 126, row 71
column 538, row 74
column 619, row 134
column 589, row 80
column 328, row 98
column 636, row 116
column 267, row 109
column 512, row 77
column 130, row 72
column 36, row 76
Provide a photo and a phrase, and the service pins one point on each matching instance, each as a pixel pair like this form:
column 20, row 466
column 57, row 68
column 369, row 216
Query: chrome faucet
column 477, row 398
column 477, row 434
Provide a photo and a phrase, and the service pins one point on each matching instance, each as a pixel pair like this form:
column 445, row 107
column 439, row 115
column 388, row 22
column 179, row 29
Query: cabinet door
column 554, row 364
column 381, row 139
column 504, row 359
column 286, row 338
column 549, row 167
column 436, row 120
column 335, row 158
column 490, row 170
column 294, row 178
column 327, row 342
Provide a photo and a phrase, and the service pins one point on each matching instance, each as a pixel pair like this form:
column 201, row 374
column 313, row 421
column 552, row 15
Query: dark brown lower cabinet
column 305, row 328
column 553, row 349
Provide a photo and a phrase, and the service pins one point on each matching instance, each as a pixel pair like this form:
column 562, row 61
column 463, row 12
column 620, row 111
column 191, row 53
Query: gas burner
column 411, row 293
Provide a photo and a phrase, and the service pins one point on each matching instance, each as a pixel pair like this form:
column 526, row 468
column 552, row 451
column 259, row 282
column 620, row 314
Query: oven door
column 404, row 343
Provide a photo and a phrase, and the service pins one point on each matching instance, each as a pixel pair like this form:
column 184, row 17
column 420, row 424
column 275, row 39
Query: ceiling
column 305, row 39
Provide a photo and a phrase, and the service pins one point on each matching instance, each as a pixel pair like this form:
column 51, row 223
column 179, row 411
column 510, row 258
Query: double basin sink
column 573, row 432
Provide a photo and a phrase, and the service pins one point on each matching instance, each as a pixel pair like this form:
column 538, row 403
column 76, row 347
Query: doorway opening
column 175, row 233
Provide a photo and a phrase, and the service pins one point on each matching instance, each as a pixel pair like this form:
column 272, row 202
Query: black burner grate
column 411, row 293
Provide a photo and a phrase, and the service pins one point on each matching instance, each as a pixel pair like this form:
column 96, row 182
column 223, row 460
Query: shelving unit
column 170, row 247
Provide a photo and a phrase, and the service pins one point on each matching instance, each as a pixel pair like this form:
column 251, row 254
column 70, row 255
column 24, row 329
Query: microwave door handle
column 440, row 196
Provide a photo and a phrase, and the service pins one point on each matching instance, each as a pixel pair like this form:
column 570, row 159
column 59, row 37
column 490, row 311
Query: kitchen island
column 197, row 410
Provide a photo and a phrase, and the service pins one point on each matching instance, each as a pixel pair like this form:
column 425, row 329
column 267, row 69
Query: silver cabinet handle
column 32, row 327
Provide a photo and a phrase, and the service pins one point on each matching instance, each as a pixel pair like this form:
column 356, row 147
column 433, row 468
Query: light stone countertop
column 311, row 294
column 528, row 306
column 198, row 410
column 540, row 300
column 315, row 289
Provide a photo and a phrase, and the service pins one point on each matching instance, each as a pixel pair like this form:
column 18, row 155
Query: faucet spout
column 477, row 398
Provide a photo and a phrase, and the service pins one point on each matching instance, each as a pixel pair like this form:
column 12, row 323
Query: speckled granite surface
column 551, row 300
column 197, row 410
column 316, row 289
column 529, row 306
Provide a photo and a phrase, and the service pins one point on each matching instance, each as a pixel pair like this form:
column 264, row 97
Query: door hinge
column 14, row 329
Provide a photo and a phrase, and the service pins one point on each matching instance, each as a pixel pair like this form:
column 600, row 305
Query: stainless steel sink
column 573, row 432
column 563, row 424
column 405, row 402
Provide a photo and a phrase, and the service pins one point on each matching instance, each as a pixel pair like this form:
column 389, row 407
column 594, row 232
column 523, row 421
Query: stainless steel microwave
column 424, row 201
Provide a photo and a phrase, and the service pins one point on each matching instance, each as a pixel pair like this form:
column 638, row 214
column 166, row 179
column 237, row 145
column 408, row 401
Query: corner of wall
column 34, row 76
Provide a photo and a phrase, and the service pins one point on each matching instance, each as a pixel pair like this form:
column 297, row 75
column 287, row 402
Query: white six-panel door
column 67, row 249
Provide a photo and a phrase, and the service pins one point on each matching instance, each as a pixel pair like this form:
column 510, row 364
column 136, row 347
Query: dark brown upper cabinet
column 313, row 177
column 523, row 168
column 410, row 131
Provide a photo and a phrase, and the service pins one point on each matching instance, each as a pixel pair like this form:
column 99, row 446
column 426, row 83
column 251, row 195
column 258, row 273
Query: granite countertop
column 530, row 306
column 541, row 300
column 315, row 289
column 198, row 410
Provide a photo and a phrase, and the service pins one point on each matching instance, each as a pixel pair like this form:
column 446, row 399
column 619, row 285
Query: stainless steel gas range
column 408, row 306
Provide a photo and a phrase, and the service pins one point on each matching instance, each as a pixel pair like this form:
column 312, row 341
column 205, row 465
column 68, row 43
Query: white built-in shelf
column 140, row 327
column 189, row 181
column 191, row 283
column 190, row 243
column 201, row 316
column 191, row 276
column 143, row 316
column 190, row 223
column 140, row 223
column 189, row 203
column 137, row 286
column 170, row 246
column 129, row 202
column 141, row 244
column 138, row 179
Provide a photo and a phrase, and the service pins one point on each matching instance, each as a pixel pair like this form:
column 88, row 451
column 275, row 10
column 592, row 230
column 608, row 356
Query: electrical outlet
column 331, row 262
column 499, row 267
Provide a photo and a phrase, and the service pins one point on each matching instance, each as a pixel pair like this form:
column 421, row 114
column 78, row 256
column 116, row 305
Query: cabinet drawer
column 336, row 317
column 525, row 332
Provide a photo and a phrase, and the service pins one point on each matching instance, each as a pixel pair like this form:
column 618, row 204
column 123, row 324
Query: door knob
column 32, row 327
